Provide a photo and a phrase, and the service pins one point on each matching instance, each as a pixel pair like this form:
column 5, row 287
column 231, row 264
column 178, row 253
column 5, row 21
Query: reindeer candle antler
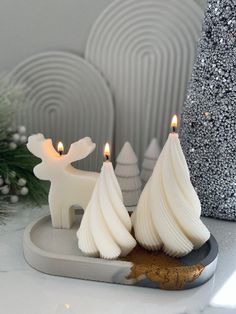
column 69, row 186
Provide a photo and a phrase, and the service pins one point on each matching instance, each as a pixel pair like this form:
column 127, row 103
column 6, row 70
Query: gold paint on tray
column 167, row 271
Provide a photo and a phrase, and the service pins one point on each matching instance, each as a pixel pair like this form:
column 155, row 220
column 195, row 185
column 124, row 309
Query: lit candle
column 174, row 123
column 69, row 186
column 168, row 212
column 105, row 227
column 107, row 151
column 60, row 148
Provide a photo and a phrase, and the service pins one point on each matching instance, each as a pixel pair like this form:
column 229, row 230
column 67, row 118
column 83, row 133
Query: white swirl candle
column 168, row 212
column 105, row 227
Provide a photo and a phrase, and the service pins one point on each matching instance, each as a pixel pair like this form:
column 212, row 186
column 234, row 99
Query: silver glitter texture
column 208, row 124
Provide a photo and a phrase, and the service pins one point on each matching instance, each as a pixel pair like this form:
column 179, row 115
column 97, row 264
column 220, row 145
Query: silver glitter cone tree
column 208, row 126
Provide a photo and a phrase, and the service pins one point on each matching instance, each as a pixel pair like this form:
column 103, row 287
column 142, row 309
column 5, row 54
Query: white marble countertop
column 24, row 290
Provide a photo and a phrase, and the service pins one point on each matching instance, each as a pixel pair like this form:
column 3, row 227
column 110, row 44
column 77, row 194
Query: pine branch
column 16, row 162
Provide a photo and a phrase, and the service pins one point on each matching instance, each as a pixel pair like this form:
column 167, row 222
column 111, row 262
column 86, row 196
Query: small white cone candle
column 150, row 158
column 105, row 227
column 127, row 173
column 168, row 212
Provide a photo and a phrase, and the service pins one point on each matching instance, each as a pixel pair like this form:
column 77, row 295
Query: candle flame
column 174, row 121
column 107, row 151
column 67, row 306
column 60, row 148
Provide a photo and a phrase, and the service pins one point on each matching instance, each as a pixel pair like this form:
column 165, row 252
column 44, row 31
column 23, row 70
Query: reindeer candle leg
column 67, row 217
column 69, row 186
column 55, row 211
column 56, row 217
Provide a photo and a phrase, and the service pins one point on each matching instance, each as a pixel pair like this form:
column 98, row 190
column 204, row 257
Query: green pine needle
column 19, row 161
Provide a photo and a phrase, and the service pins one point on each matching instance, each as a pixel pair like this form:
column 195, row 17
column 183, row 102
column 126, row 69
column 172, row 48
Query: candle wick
column 60, row 152
column 174, row 129
column 107, row 157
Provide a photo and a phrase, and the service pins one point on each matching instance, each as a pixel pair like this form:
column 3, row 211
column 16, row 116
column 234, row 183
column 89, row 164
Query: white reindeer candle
column 69, row 186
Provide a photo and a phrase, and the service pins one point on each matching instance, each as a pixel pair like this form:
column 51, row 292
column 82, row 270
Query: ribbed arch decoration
column 66, row 99
column 202, row 3
column 145, row 50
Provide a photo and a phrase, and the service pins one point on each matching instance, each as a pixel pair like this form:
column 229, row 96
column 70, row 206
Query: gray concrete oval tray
column 55, row 252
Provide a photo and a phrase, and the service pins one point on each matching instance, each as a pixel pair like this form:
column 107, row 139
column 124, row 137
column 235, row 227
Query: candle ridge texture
column 168, row 212
column 105, row 229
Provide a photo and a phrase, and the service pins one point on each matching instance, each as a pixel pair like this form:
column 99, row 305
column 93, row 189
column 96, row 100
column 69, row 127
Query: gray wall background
column 32, row 26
